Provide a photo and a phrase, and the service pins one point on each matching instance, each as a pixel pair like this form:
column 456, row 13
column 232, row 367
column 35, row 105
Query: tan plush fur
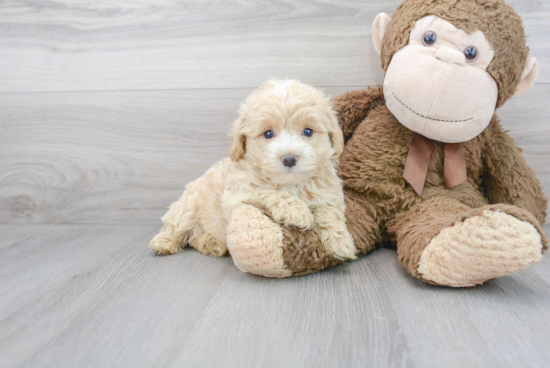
column 256, row 243
column 382, row 206
column 423, row 83
column 260, row 246
column 486, row 227
column 306, row 195
column 497, row 20
column 460, row 255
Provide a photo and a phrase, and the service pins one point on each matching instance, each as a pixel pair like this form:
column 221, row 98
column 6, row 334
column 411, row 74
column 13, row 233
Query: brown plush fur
column 381, row 205
column 411, row 229
column 356, row 107
column 303, row 252
column 499, row 22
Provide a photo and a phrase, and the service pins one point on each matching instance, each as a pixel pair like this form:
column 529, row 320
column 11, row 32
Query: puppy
column 284, row 149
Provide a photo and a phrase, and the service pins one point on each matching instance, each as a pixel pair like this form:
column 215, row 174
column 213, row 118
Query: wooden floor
column 95, row 296
column 108, row 108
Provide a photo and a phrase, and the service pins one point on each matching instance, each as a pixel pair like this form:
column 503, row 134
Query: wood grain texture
column 169, row 44
column 124, row 156
column 95, row 296
column 107, row 110
column 83, row 157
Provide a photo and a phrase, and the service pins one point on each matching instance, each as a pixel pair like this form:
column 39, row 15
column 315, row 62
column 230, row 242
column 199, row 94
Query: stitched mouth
column 427, row 117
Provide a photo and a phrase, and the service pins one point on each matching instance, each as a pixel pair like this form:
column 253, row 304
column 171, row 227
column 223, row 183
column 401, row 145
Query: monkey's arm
column 353, row 107
column 508, row 178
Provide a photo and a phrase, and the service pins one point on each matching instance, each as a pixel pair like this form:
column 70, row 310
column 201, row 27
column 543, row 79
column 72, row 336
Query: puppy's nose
column 289, row 160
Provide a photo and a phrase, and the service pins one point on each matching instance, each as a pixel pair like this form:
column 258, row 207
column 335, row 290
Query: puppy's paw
column 163, row 244
column 341, row 247
column 302, row 221
column 295, row 214
column 217, row 249
column 209, row 245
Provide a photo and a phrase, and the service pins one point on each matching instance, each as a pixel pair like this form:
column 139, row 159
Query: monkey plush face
column 446, row 74
column 438, row 85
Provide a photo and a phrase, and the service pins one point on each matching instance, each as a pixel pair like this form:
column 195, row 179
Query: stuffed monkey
column 426, row 164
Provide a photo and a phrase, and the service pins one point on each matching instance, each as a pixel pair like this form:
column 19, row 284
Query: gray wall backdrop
column 108, row 108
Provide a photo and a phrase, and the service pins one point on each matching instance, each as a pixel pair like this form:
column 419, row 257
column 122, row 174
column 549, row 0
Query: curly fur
column 306, row 195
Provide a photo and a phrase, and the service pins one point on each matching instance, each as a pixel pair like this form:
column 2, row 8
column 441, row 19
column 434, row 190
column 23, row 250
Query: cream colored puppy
column 283, row 155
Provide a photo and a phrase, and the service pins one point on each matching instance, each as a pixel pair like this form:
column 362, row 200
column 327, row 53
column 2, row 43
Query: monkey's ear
column 528, row 77
column 379, row 27
column 237, row 144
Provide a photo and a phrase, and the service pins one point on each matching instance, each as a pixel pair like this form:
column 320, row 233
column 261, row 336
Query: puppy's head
column 286, row 131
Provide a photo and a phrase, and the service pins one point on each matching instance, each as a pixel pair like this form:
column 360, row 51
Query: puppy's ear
column 336, row 136
column 237, row 141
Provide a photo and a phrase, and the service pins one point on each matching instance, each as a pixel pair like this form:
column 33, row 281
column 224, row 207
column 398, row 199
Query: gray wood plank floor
column 95, row 296
column 108, row 108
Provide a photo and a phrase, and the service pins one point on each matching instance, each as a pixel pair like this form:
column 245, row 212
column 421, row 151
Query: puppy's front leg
column 285, row 208
column 330, row 224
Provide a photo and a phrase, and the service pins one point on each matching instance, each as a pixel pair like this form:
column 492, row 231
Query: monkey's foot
column 259, row 245
column 480, row 248
column 256, row 243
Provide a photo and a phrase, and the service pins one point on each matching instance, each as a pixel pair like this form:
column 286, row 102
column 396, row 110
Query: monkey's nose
column 450, row 55
column 289, row 160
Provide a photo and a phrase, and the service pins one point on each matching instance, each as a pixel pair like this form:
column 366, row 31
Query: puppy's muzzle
column 289, row 160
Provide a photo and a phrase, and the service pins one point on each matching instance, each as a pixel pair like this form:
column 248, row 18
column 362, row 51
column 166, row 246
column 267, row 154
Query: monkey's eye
column 308, row 132
column 470, row 53
column 429, row 38
column 269, row 134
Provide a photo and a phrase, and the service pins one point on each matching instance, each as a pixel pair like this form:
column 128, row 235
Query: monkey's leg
column 360, row 214
column 444, row 242
column 261, row 246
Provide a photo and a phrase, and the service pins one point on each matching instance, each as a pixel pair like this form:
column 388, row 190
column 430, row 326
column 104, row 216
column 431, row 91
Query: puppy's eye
column 308, row 132
column 269, row 134
column 429, row 38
